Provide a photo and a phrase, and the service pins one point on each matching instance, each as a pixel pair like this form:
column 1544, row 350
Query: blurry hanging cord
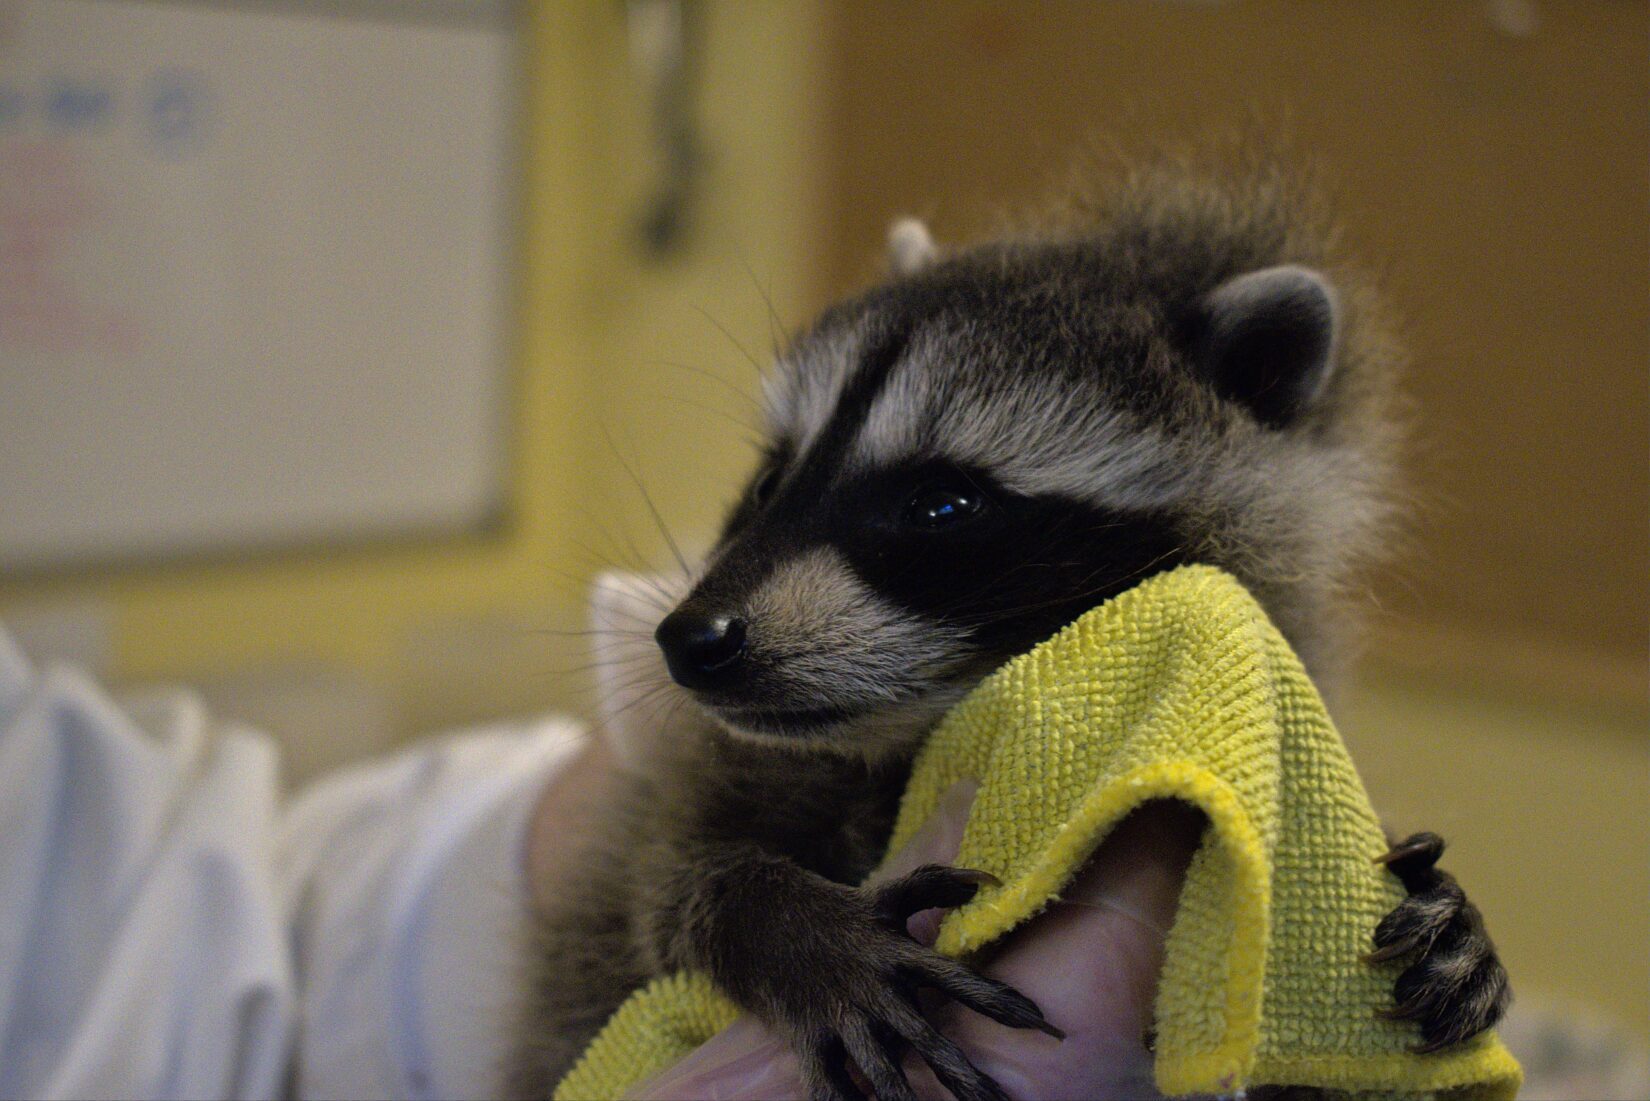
column 665, row 46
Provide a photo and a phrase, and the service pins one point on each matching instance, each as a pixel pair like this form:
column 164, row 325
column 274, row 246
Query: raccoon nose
column 702, row 651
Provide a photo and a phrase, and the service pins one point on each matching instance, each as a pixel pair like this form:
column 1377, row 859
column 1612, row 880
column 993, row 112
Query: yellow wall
column 456, row 629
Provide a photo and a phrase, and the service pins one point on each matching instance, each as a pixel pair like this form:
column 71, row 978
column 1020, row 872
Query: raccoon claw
column 936, row 886
column 1456, row 987
column 1418, row 922
column 876, row 1038
column 1413, row 857
column 879, row 1020
column 932, row 886
column 987, row 997
column 876, row 1042
column 825, row 1072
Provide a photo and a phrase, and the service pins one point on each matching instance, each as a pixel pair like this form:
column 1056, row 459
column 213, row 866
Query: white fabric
column 169, row 930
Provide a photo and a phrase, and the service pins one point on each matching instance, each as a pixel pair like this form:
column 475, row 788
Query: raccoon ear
column 1267, row 340
column 910, row 246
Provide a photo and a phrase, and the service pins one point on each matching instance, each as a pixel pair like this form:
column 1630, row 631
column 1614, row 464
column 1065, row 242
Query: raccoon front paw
column 1455, row 987
column 858, row 998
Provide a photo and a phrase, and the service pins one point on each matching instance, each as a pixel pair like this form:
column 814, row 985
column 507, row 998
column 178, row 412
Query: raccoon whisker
column 644, row 664
column 647, row 698
column 752, row 432
column 634, row 674
column 609, row 667
column 675, row 709
column 622, row 642
column 727, row 332
column 875, row 688
column 596, row 562
column 1173, row 552
column 583, row 632
column 644, row 623
column 636, row 677
column 589, row 666
column 634, row 564
column 629, row 647
column 1026, row 567
column 629, row 650
column 732, row 387
column 633, row 631
column 647, row 499
column 577, row 584
column 1083, row 591
column 646, row 691
column 666, row 599
column 776, row 328
column 617, row 538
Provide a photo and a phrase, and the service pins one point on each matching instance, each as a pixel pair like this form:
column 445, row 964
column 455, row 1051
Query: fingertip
column 937, row 840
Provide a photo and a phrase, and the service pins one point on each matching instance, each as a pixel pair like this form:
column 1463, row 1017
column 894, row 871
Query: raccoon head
column 966, row 458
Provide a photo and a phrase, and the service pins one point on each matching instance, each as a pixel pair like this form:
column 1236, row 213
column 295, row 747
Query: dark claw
column 1455, row 987
column 1417, row 922
column 854, row 1025
column 945, row 1058
column 987, row 997
column 878, row 1060
column 1455, row 991
column 930, row 886
column 825, row 1071
column 1411, row 860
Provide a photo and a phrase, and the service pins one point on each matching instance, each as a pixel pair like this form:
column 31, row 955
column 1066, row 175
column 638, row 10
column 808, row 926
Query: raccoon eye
column 765, row 485
column 939, row 507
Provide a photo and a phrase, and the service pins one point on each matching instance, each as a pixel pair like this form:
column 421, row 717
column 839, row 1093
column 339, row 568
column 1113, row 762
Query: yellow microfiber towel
column 1179, row 688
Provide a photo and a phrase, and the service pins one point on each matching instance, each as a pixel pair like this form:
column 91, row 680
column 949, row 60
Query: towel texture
column 1179, row 688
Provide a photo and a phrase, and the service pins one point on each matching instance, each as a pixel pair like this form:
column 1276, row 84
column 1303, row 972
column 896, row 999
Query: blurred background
column 338, row 337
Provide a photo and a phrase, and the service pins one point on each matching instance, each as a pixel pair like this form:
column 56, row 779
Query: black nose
column 702, row 651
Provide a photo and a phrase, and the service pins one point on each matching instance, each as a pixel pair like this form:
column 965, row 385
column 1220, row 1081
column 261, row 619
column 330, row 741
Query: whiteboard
column 255, row 273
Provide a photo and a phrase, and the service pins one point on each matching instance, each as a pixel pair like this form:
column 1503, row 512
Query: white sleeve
column 142, row 953
column 166, row 931
column 405, row 881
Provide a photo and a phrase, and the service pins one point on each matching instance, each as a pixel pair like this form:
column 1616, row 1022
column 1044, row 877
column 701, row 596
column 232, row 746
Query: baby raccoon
column 959, row 462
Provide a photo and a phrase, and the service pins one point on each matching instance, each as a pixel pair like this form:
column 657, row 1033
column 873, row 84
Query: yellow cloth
column 1179, row 688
